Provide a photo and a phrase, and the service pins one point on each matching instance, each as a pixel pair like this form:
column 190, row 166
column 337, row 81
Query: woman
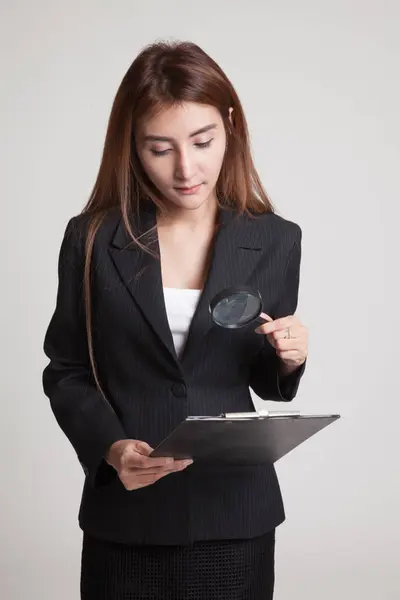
column 177, row 213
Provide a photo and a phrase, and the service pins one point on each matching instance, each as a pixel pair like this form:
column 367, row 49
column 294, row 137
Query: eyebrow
column 160, row 138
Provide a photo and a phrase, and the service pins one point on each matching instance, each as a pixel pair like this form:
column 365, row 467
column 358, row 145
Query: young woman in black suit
column 177, row 213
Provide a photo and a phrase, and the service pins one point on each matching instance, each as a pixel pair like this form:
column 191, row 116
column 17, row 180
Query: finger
column 144, row 448
column 289, row 355
column 138, row 480
column 146, row 462
column 144, row 473
column 277, row 325
column 265, row 316
column 182, row 464
column 178, row 465
column 133, row 483
column 282, row 323
column 143, row 478
column 163, row 473
column 290, row 344
column 141, row 485
column 295, row 332
column 137, row 486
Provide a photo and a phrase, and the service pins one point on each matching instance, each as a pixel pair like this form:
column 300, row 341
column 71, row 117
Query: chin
column 189, row 202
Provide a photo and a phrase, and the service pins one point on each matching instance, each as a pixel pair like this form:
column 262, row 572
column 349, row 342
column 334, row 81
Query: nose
column 184, row 166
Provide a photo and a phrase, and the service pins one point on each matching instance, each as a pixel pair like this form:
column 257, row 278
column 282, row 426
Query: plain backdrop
column 319, row 81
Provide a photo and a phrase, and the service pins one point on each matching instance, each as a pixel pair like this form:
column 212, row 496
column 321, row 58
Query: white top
column 180, row 305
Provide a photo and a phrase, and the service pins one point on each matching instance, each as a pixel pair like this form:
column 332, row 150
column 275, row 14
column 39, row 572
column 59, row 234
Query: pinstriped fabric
column 151, row 391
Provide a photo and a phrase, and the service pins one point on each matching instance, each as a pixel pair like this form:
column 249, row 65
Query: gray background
column 319, row 83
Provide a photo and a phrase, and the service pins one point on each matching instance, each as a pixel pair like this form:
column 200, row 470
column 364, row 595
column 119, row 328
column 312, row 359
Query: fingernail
column 266, row 317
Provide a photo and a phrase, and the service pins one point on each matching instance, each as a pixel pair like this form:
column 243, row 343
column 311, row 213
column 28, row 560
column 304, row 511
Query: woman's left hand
column 289, row 337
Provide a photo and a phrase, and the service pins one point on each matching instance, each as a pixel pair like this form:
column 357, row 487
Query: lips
column 193, row 188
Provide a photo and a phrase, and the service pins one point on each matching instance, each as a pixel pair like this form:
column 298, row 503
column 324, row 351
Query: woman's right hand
column 135, row 468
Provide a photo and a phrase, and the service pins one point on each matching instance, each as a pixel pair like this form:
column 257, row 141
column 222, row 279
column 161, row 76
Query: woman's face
column 182, row 151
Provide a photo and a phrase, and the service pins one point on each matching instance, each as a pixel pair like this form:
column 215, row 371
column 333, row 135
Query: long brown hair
column 162, row 75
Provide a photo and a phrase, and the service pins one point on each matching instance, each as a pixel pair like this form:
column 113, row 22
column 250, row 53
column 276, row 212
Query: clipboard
column 241, row 438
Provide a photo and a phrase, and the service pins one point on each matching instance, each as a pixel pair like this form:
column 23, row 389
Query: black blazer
column 150, row 391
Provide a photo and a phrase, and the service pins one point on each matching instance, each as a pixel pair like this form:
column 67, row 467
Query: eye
column 164, row 152
column 159, row 152
column 204, row 144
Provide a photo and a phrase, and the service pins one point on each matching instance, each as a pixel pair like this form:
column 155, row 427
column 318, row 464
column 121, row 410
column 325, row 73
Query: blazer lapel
column 237, row 249
column 141, row 274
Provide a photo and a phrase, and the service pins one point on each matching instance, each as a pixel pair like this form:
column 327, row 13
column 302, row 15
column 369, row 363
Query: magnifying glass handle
column 260, row 321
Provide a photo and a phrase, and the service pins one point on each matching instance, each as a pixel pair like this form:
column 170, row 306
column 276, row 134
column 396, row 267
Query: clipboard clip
column 260, row 414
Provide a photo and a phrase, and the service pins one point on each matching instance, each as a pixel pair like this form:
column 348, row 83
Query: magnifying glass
column 236, row 307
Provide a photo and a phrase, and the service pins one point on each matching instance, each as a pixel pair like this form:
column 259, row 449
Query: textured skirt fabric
column 231, row 569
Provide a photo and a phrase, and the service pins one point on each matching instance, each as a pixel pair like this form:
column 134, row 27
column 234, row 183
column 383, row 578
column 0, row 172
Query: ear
column 230, row 113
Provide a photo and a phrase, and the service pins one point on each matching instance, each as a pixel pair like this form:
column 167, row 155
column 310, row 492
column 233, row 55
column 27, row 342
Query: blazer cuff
column 288, row 384
column 97, row 470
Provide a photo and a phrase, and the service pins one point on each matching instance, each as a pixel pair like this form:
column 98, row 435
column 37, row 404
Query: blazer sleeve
column 265, row 379
column 85, row 417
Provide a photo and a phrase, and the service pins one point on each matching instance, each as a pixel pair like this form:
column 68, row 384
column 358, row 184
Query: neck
column 203, row 218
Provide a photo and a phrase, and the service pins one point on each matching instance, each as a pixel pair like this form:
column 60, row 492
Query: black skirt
column 213, row 570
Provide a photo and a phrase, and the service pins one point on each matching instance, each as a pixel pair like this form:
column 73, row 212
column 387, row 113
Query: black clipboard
column 241, row 438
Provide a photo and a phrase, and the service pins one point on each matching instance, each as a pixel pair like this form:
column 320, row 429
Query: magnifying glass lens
column 236, row 309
